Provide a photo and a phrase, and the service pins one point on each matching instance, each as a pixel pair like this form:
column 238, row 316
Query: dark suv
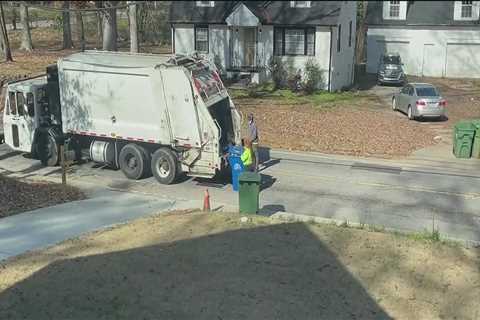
column 390, row 69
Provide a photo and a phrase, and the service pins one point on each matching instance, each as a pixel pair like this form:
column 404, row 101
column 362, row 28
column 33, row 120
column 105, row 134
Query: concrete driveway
column 442, row 129
column 406, row 195
column 48, row 226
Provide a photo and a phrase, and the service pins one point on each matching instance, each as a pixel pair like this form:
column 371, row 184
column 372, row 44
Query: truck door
column 181, row 107
column 19, row 122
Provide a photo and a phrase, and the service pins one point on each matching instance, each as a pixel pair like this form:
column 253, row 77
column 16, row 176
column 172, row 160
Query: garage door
column 384, row 46
column 463, row 60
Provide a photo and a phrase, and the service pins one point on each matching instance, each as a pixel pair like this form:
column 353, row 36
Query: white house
column 243, row 36
column 433, row 38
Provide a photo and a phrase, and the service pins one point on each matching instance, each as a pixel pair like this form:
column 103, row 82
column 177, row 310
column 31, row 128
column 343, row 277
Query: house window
column 294, row 41
column 205, row 4
column 300, row 4
column 339, row 38
column 394, row 11
column 350, row 34
column 278, row 42
column 201, row 39
column 467, row 9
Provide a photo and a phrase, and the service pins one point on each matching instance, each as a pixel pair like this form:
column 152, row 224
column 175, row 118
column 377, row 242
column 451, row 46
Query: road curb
column 407, row 165
column 294, row 217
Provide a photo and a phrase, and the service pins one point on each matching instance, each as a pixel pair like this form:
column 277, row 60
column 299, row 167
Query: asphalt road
column 388, row 194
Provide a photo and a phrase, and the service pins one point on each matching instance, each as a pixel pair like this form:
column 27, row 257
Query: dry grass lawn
column 212, row 266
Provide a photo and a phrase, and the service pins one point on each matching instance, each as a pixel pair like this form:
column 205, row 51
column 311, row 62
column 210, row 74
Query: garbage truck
column 142, row 113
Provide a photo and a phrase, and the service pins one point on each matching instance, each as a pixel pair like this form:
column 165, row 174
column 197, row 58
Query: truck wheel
column 132, row 161
column 47, row 150
column 164, row 166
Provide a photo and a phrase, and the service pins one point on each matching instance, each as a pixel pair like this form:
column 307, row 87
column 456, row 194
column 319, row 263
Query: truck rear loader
column 145, row 114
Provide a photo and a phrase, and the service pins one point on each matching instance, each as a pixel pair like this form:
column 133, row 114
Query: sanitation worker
column 253, row 137
column 248, row 157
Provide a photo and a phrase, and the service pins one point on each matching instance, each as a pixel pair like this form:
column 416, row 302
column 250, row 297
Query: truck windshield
column 391, row 60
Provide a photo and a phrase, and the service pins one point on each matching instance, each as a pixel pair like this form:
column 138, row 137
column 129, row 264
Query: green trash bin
column 248, row 195
column 476, row 140
column 463, row 135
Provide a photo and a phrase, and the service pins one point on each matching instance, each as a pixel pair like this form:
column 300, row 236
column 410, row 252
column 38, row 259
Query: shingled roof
column 323, row 13
column 427, row 13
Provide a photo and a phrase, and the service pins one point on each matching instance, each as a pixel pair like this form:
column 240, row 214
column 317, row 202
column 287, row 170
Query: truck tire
column 47, row 150
column 133, row 161
column 164, row 166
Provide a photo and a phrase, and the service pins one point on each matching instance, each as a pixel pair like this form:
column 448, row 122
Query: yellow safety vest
column 246, row 157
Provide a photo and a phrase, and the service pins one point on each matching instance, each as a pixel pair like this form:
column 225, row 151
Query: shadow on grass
column 269, row 272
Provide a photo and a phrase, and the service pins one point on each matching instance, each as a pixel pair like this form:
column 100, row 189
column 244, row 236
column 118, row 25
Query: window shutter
column 386, row 9
column 403, row 10
column 457, row 10
column 476, row 10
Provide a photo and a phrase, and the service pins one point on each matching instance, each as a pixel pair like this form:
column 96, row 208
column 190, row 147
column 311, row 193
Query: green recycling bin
column 248, row 195
column 463, row 135
column 476, row 140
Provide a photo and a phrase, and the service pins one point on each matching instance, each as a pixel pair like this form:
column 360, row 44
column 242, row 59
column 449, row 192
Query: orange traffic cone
column 206, row 201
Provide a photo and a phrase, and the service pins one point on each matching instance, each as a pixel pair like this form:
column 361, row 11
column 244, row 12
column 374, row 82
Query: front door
column 249, row 45
column 19, row 121
column 244, row 46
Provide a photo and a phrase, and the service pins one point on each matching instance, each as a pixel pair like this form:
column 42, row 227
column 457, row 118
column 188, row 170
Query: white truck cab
column 23, row 112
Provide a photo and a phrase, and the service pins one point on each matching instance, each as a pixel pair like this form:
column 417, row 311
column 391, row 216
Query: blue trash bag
column 236, row 165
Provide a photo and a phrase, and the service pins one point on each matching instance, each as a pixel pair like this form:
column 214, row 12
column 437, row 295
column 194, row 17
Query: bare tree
column 361, row 31
column 81, row 30
column 26, row 35
column 132, row 19
column 98, row 5
column 110, row 26
column 79, row 24
column 4, row 36
column 67, row 31
column 14, row 17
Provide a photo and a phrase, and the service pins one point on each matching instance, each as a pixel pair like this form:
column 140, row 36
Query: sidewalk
column 47, row 226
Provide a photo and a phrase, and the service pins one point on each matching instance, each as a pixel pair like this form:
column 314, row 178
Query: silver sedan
column 419, row 100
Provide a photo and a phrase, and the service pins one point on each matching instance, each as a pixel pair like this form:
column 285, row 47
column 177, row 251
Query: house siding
column 265, row 45
column 343, row 61
column 184, row 36
column 428, row 51
column 219, row 44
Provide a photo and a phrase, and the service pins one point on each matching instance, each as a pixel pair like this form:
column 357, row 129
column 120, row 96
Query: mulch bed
column 341, row 130
column 21, row 195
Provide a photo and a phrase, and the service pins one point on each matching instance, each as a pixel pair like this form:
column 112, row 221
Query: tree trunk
column 26, row 36
column 132, row 15
column 14, row 18
column 110, row 27
column 67, row 31
column 79, row 30
column 4, row 36
column 98, row 4
column 361, row 31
